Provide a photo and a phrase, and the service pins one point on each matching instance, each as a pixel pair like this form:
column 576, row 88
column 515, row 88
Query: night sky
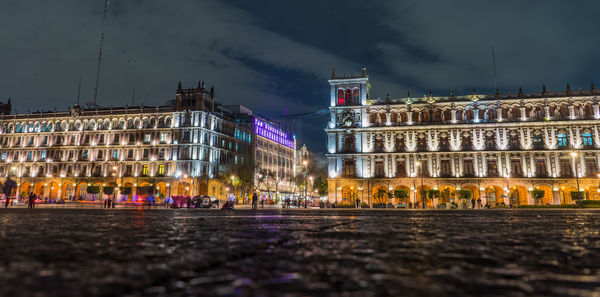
column 276, row 55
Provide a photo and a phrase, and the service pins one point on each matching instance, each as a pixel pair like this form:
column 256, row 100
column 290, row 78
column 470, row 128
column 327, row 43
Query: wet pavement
column 95, row 252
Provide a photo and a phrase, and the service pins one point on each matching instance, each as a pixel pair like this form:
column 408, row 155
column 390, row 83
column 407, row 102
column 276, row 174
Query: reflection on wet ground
column 74, row 252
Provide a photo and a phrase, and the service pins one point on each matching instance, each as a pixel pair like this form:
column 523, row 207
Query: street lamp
column 305, row 162
column 115, row 169
column 422, row 191
column 574, row 155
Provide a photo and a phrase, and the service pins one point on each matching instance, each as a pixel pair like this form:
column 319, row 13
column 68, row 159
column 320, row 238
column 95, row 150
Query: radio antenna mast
column 79, row 90
column 100, row 52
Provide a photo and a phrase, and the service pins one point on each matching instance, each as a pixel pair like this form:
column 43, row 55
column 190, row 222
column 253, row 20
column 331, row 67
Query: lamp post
column 310, row 178
column 574, row 155
column 305, row 162
column 115, row 170
column 422, row 191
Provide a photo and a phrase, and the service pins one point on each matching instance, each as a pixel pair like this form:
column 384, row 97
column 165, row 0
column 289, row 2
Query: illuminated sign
column 268, row 131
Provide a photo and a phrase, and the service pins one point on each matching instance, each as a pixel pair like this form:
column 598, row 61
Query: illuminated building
column 501, row 147
column 177, row 149
column 273, row 152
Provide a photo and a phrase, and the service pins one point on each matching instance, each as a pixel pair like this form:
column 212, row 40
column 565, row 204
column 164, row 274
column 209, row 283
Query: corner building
column 501, row 147
column 177, row 149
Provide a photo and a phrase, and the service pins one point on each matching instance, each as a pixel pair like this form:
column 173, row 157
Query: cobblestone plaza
column 87, row 252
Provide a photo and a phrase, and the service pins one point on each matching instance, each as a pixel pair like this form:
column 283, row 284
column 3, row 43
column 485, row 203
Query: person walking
column 8, row 187
column 262, row 203
column 254, row 200
column 479, row 205
column 31, row 200
column 473, row 203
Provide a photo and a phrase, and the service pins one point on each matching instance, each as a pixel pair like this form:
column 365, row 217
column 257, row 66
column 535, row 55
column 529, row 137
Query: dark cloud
column 276, row 55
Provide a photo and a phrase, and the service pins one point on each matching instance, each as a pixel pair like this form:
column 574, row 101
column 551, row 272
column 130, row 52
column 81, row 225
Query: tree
column 401, row 194
column 447, row 195
column 243, row 172
column 537, row 195
column 108, row 190
column 93, row 190
column 321, row 185
column 125, row 190
column 267, row 179
column 464, row 194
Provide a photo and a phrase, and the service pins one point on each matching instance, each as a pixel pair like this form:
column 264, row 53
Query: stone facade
column 499, row 146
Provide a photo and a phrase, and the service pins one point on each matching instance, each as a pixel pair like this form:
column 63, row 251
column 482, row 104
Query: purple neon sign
column 268, row 131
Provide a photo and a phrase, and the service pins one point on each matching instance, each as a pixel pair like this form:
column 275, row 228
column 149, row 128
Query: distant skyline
column 275, row 56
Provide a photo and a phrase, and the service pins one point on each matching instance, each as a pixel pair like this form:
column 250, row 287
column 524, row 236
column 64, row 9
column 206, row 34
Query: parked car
column 204, row 201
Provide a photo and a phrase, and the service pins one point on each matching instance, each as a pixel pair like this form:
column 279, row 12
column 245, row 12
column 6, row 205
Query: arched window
column 564, row 111
column 492, row 114
column 469, row 115
column 588, row 110
column 348, row 97
column 539, row 113
column 355, row 94
column 459, row 114
column 382, row 118
column 341, row 100
column 446, row 115
column 515, row 113
column 437, row 115
column 403, row 117
column 374, row 117
column 425, row 116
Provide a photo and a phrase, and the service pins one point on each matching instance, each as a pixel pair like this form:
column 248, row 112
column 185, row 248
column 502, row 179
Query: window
column 492, row 167
column 85, row 154
column 537, row 142
column 163, row 137
column 445, row 168
column 147, row 137
column 341, row 100
column 43, row 155
column 562, row 140
column 540, row 168
column 45, row 140
column 145, row 170
column 115, row 154
column 516, row 168
column 101, row 139
column 349, row 168
column 31, row 140
column 3, row 156
column 565, row 168
column 379, row 172
column 590, row 168
column 161, row 169
column 116, row 138
column 130, row 154
column 100, row 154
column 489, row 142
column 468, row 168
column 587, row 139
column 29, row 155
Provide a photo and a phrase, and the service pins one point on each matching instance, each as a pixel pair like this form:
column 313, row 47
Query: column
column 386, row 169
